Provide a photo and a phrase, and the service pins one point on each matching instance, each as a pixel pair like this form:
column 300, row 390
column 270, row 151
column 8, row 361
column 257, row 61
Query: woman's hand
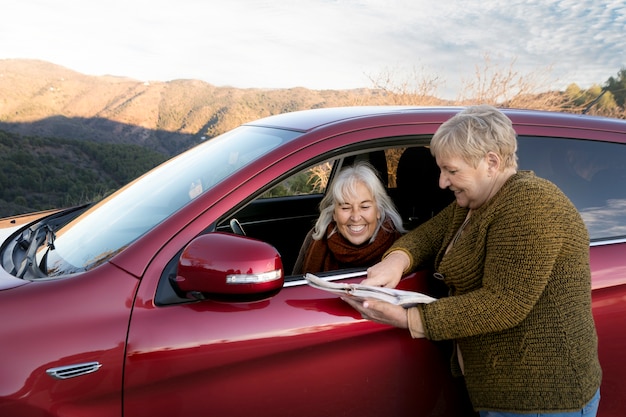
column 379, row 311
column 388, row 272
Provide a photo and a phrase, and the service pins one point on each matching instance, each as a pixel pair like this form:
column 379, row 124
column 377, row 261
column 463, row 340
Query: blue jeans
column 589, row 410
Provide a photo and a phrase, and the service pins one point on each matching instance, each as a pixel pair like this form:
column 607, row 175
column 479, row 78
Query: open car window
column 312, row 180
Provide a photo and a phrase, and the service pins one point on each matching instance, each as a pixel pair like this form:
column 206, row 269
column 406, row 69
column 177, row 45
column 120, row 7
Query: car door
column 301, row 352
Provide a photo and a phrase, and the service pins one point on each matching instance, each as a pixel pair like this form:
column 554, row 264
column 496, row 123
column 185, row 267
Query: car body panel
column 290, row 344
column 85, row 320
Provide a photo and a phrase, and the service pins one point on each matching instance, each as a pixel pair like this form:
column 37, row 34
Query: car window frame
column 165, row 295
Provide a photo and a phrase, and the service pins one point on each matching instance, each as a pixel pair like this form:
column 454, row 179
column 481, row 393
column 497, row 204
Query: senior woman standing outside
column 357, row 224
column 514, row 253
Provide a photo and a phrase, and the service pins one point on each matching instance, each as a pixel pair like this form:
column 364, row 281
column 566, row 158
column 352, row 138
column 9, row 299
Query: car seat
column 418, row 195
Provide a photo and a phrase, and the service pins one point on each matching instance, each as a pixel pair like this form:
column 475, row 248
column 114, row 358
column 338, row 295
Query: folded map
column 390, row 295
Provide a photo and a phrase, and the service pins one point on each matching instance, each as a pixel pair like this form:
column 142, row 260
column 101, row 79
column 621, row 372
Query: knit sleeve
column 518, row 242
column 423, row 243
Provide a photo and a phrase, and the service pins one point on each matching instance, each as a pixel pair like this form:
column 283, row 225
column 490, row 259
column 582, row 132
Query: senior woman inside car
column 357, row 224
column 514, row 254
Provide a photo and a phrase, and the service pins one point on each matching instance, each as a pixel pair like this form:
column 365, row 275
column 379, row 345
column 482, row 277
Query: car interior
column 410, row 176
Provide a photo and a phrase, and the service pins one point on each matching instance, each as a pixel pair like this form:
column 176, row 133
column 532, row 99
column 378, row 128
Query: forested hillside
column 41, row 173
column 68, row 138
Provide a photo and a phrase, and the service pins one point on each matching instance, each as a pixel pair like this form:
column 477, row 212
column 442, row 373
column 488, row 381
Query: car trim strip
column 334, row 277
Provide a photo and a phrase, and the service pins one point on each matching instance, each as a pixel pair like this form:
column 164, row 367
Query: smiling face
column 472, row 187
column 357, row 216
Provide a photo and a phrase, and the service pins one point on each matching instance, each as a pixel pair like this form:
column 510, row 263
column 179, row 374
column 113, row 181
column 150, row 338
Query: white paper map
column 390, row 295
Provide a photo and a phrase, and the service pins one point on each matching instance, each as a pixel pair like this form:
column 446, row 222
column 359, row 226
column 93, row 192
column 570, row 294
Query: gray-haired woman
column 514, row 253
column 358, row 222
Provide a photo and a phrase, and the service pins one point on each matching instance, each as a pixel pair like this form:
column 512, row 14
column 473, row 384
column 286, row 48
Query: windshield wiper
column 40, row 233
column 37, row 235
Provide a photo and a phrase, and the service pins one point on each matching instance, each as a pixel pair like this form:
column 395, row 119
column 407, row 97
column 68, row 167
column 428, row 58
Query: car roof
column 307, row 120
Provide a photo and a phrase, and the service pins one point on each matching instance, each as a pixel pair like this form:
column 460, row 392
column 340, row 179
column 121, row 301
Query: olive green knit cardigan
column 520, row 305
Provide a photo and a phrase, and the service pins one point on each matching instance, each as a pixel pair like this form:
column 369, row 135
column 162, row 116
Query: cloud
column 319, row 43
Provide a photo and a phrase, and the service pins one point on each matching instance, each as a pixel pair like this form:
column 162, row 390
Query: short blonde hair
column 474, row 132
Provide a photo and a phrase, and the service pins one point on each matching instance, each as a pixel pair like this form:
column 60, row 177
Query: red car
column 174, row 296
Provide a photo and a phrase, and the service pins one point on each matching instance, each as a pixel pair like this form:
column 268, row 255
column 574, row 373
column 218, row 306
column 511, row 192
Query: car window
column 292, row 204
column 591, row 173
column 312, row 180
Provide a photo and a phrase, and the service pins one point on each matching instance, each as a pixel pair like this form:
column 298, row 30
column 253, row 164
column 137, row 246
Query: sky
column 321, row 44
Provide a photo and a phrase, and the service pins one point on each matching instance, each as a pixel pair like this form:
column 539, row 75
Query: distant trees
column 415, row 88
column 617, row 87
column 39, row 173
column 312, row 180
column 505, row 86
column 43, row 173
column 594, row 100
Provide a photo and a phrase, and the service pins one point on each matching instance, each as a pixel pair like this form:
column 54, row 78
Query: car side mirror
column 227, row 267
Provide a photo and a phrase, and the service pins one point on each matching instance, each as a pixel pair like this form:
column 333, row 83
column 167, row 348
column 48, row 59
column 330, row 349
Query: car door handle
column 72, row 371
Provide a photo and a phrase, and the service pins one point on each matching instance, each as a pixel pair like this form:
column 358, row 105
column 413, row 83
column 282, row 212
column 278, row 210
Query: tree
column 399, row 87
column 505, row 86
column 617, row 87
column 594, row 100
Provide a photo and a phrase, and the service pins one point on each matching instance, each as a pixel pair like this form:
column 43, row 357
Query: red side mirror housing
column 225, row 266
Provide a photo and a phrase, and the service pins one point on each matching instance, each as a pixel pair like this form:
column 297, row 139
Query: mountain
column 67, row 138
column 38, row 98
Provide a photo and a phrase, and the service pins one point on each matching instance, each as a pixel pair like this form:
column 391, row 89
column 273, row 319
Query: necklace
column 460, row 231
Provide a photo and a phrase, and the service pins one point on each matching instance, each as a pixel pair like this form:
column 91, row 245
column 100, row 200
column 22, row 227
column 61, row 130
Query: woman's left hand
column 379, row 311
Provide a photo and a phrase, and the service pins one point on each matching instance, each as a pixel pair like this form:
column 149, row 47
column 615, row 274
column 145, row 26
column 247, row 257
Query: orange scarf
column 336, row 252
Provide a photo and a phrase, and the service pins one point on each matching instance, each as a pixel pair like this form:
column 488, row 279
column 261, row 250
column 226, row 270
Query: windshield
column 111, row 225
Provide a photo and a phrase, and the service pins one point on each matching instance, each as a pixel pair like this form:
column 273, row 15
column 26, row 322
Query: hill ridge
column 38, row 95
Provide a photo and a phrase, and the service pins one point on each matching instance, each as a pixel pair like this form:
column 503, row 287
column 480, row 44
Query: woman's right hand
column 388, row 272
